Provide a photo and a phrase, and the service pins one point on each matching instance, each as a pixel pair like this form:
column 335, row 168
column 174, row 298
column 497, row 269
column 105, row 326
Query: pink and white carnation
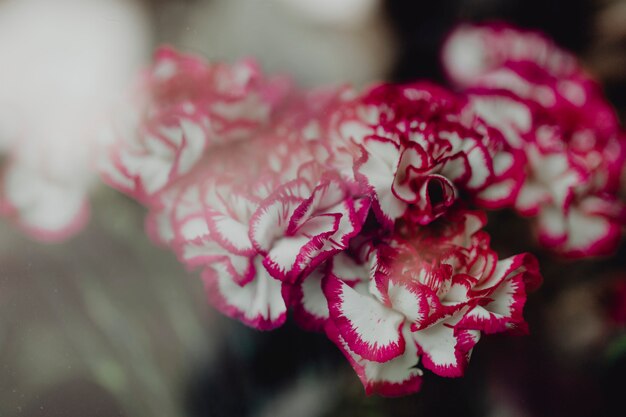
column 206, row 224
column 472, row 50
column 204, row 218
column 255, row 221
column 302, row 224
column 571, row 145
column 415, row 150
column 184, row 108
column 44, row 195
column 424, row 294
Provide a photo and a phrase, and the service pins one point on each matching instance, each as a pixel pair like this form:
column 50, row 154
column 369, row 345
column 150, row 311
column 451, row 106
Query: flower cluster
column 343, row 208
column 554, row 116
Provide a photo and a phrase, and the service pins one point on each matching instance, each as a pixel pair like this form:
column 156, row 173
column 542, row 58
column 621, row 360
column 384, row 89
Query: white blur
column 62, row 63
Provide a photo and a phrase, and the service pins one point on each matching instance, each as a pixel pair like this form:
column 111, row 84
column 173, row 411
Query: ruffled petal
column 444, row 350
column 393, row 378
column 370, row 329
column 258, row 303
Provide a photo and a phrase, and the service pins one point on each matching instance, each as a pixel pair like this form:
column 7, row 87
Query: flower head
column 420, row 149
column 426, row 296
column 554, row 117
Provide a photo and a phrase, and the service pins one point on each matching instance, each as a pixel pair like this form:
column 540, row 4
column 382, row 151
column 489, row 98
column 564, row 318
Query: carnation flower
column 301, row 225
column 425, row 294
column 206, row 224
column 185, row 108
column 566, row 134
column 46, row 206
column 471, row 50
column 417, row 149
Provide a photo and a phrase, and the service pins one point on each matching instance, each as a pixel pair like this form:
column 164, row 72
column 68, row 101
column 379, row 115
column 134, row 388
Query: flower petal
column 393, row 378
column 259, row 303
column 310, row 308
column 446, row 351
column 370, row 329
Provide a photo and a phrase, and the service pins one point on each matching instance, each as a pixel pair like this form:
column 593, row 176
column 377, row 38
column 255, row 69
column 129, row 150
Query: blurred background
column 107, row 324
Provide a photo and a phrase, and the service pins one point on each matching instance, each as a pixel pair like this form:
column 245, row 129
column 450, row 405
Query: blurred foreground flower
column 554, row 114
column 62, row 64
